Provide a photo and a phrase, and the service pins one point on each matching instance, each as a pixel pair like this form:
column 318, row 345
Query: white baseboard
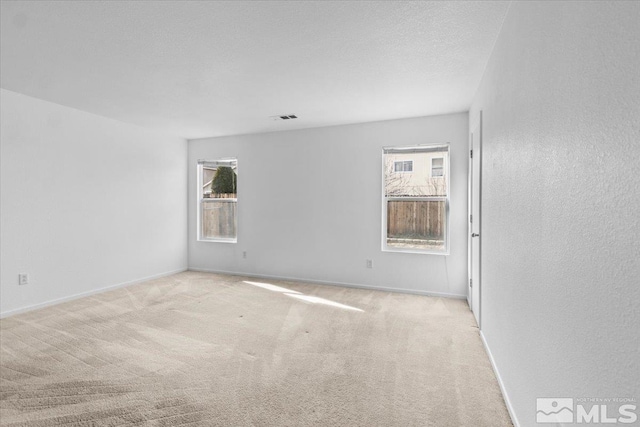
column 507, row 401
column 330, row 283
column 86, row 293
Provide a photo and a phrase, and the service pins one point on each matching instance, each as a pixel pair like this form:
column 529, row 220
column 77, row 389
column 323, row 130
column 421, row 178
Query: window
column 403, row 166
column 437, row 166
column 218, row 200
column 416, row 206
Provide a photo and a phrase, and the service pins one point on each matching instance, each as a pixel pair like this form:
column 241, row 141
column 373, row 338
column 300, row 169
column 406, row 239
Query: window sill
column 218, row 240
column 415, row 251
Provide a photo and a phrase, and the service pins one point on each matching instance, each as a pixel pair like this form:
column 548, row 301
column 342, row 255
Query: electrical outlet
column 369, row 263
column 23, row 279
column 244, row 254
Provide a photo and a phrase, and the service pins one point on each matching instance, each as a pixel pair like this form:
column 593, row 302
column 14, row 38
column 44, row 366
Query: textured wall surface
column 87, row 202
column 310, row 205
column 561, row 229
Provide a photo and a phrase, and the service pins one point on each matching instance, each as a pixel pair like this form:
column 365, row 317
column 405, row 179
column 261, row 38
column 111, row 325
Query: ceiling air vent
column 284, row 117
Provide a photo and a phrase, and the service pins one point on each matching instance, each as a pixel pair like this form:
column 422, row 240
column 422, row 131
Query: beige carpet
column 215, row 350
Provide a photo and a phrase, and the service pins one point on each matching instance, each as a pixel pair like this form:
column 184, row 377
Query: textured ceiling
column 198, row 69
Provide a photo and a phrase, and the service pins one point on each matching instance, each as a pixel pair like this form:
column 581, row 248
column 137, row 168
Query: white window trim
column 403, row 162
column 443, row 167
column 447, row 199
column 200, row 200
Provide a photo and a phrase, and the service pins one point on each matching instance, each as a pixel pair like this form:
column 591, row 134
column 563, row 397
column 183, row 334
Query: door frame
column 476, row 124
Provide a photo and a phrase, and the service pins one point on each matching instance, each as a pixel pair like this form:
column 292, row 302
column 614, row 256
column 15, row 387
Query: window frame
column 446, row 171
column 201, row 200
column 437, row 158
column 403, row 162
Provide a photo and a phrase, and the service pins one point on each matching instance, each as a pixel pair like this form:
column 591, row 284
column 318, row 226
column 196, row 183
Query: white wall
column 310, row 206
column 561, row 202
column 87, row 202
